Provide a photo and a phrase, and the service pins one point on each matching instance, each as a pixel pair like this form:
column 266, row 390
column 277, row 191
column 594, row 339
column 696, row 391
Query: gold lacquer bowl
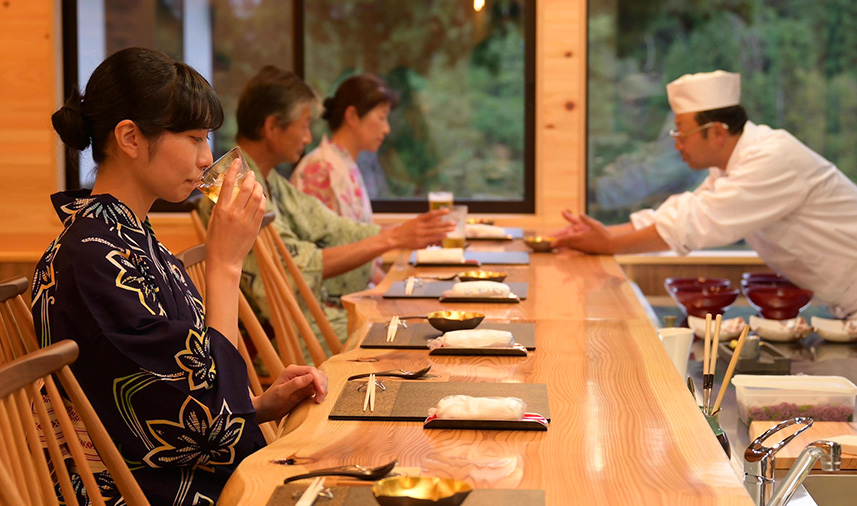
column 420, row 491
column 482, row 276
column 538, row 243
column 446, row 321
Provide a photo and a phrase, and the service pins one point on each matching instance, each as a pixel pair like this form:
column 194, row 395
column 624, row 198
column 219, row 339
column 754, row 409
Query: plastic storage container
column 778, row 398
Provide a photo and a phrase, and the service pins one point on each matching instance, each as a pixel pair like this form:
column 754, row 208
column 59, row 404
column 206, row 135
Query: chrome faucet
column 760, row 463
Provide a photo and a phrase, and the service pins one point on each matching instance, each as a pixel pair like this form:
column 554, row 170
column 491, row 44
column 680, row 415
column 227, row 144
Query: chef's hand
column 584, row 234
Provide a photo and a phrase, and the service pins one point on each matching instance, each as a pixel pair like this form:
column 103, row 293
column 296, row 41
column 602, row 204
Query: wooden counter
column 624, row 429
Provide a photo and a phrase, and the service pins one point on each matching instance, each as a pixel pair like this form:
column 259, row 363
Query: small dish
column 481, row 276
column 446, row 321
column 835, row 331
column 479, row 221
column 729, row 329
column 420, row 491
column 781, row 331
column 539, row 244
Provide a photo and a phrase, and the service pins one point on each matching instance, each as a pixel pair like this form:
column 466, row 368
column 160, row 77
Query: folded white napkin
column 479, row 289
column 474, row 338
column 485, row 231
column 465, row 407
column 440, row 256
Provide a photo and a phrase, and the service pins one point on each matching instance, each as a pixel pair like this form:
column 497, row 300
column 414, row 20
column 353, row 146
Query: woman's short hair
column 271, row 92
column 145, row 86
column 364, row 92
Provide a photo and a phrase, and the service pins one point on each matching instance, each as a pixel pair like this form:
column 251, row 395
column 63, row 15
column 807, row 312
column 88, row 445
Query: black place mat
column 410, row 400
column 419, row 332
column 284, row 495
column 511, row 233
column 434, row 289
column 484, row 258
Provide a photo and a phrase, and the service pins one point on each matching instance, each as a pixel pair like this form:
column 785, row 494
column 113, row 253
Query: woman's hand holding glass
column 295, row 384
column 236, row 219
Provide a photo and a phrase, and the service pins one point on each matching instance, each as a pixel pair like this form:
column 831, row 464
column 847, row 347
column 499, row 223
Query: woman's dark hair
column 145, row 86
column 364, row 92
column 734, row 116
column 271, row 92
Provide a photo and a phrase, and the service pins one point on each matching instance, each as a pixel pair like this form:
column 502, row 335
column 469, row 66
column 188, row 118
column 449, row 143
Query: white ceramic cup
column 677, row 341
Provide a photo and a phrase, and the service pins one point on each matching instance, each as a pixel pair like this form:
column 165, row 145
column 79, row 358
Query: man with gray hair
column 796, row 209
column 334, row 253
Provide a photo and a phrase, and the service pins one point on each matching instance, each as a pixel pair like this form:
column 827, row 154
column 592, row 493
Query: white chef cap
column 704, row 91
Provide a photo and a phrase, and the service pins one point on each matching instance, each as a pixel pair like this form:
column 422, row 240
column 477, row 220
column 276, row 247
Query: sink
column 838, row 489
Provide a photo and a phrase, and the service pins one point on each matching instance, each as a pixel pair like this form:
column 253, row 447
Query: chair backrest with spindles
column 27, row 474
column 17, row 334
column 194, row 262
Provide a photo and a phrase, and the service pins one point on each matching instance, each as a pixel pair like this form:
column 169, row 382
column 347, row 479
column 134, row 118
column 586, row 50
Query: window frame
column 527, row 205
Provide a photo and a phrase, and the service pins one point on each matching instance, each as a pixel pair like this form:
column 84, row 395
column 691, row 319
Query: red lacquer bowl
column 700, row 301
column 778, row 302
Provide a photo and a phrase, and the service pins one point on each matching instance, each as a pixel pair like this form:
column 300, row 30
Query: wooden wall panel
column 28, row 154
column 28, row 149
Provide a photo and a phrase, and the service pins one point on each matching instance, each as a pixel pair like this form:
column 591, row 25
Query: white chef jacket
column 796, row 209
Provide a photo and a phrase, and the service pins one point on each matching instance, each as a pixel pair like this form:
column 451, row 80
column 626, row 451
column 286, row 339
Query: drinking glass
column 211, row 181
column 455, row 239
column 677, row 341
column 439, row 199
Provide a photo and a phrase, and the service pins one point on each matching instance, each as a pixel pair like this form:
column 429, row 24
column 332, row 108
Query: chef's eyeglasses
column 678, row 135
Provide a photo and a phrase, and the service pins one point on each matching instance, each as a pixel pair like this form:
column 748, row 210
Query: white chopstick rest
column 311, row 493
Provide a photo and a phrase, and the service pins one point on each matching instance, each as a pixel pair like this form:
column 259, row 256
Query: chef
column 796, row 209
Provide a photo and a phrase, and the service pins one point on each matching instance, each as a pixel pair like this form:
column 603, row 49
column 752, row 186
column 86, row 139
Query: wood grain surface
column 623, row 428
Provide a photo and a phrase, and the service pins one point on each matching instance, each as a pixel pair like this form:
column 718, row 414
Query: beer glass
column 439, row 199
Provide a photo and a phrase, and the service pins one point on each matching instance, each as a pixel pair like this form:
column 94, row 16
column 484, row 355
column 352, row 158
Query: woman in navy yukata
column 162, row 371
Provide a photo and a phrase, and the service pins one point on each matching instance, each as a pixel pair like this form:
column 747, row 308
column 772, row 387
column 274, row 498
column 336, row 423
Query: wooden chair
column 17, row 334
column 191, row 204
column 274, row 260
column 194, row 262
column 25, row 473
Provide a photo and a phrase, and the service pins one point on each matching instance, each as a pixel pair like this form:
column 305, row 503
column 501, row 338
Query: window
column 227, row 41
column 797, row 64
column 465, row 79
column 465, row 83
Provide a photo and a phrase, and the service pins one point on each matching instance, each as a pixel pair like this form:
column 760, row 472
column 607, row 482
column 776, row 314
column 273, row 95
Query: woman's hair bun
column 329, row 104
column 70, row 124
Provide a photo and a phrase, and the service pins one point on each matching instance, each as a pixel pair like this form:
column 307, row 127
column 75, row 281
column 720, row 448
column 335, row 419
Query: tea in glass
column 438, row 200
column 211, row 182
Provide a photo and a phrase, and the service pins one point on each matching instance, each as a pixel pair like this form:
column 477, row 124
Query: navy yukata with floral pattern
column 172, row 393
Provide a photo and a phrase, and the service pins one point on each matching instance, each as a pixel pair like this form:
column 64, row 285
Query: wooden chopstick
column 707, row 377
column 392, row 329
column 372, row 397
column 706, row 347
column 311, row 493
column 731, row 369
column 409, row 285
column 370, row 381
column 711, row 368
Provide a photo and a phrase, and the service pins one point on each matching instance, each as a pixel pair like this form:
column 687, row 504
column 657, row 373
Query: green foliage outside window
column 798, row 65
